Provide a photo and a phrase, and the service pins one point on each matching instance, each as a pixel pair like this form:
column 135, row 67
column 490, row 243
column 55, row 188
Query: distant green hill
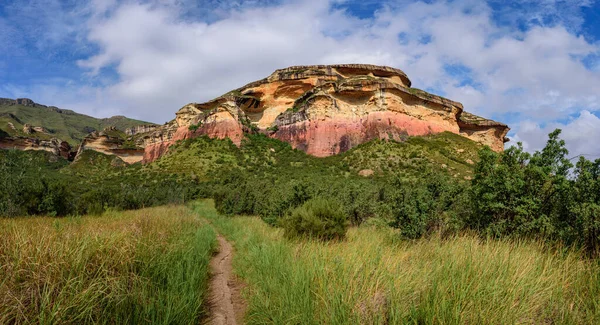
column 58, row 123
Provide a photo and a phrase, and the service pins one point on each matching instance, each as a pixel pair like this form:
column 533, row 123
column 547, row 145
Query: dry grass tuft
column 122, row 267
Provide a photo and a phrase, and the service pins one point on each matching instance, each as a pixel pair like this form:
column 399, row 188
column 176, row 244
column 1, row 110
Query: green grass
column 145, row 266
column 66, row 125
column 372, row 278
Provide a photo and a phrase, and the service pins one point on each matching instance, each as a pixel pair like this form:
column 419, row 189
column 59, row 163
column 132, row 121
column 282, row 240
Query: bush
column 280, row 199
column 317, row 218
column 359, row 199
column 235, row 195
column 538, row 195
column 433, row 204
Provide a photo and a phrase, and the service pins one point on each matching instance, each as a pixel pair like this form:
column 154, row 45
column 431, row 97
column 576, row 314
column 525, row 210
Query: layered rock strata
column 54, row 145
column 111, row 141
column 140, row 129
column 325, row 110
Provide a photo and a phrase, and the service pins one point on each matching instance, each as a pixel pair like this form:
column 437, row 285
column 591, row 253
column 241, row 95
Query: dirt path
column 226, row 304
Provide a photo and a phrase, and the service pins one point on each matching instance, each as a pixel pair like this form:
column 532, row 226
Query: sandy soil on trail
column 226, row 306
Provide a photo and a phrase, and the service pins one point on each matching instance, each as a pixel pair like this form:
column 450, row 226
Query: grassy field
column 144, row 266
column 151, row 266
column 373, row 278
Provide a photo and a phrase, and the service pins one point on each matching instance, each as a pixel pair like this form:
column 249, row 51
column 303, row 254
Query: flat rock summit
column 325, row 110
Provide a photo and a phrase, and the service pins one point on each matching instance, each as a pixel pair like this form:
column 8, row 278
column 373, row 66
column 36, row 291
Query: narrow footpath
column 226, row 306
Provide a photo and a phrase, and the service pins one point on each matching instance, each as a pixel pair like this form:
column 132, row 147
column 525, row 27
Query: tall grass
column 144, row 266
column 373, row 279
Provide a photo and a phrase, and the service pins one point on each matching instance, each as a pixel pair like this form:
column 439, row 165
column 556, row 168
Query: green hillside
column 58, row 123
column 260, row 156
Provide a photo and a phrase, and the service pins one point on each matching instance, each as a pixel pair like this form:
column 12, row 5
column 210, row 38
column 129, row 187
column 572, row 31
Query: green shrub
column 433, row 204
column 317, row 218
column 38, row 183
column 235, row 195
column 359, row 199
column 276, row 201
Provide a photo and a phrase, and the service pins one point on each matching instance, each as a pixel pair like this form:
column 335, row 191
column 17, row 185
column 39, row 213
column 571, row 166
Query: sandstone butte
column 322, row 110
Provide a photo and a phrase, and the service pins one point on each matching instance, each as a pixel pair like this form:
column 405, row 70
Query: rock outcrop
column 325, row 110
column 18, row 101
column 27, row 129
column 146, row 128
column 54, row 145
column 30, row 129
column 111, row 141
column 487, row 132
column 30, row 103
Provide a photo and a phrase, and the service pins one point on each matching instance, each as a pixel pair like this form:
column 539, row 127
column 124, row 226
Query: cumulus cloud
column 580, row 135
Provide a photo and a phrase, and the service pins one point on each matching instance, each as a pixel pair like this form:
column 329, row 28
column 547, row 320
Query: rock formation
column 325, row 110
column 30, row 129
column 54, row 145
column 111, row 141
column 18, row 101
column 146, row 128
column 479, row 129
column 27, row 129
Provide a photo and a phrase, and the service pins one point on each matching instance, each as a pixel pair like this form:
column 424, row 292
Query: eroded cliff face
column 112, row 142
column 487, row 132
column 223, row 121
column 325, row 110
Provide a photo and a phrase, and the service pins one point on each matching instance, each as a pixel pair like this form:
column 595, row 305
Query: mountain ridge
column 27, row 125
column 64, row 124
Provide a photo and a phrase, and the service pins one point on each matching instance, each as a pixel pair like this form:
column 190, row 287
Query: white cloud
column 580, row 134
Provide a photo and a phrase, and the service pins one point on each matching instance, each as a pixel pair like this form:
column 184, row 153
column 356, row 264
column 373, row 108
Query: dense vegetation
column 374, row 278
column 443, row 184
column 37, row 183
column 135, row 267
column 519, row 194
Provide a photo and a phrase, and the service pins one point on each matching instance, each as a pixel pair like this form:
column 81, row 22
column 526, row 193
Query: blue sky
column 533, row 64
